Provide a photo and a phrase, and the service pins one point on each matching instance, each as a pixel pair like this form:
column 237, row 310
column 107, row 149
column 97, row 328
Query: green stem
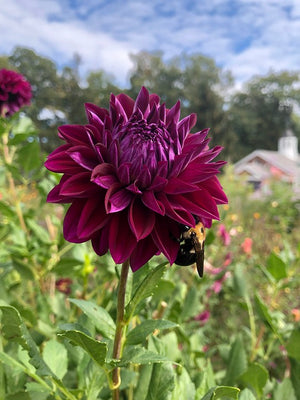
column 120, row 329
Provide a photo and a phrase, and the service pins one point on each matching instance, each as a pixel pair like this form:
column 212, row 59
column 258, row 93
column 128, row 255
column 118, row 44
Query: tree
column 261, row 113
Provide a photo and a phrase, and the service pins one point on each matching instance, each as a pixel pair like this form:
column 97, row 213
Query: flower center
column 143, row 143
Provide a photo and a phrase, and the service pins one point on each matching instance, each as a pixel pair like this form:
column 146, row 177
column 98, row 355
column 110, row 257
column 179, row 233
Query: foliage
column 232, row 335
column 242, row 120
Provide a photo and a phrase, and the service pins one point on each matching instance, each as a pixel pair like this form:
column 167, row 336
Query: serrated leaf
column 161, row 383
column 145, row 289
column 184, row 387
column 221, row 392
column 264, row 314
column 145, row 373
column 140, row 332
column 139, row 355
column 56, row 357
column 255, row 377
column 24, row 269
column 284, row 391
column 295, row 376
column 98, row 316
column 246, row 394
column 97, row 350
column 237, row 362
column 6, row 210
column 293, row 345
column 38, row 230
column 276, row 267
column 66, row 266
column 29, row 156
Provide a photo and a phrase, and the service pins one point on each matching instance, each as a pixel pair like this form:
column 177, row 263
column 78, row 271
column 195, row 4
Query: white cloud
column 248, row 38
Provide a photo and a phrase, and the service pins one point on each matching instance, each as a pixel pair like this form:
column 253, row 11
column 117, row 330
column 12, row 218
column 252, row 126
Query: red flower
column 247, row 245
column 133, row 175
column 15, row 92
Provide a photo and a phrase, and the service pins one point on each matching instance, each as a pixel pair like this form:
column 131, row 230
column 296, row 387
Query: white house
column 261, row 166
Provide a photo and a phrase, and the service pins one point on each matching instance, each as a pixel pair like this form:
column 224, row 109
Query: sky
column 246, row 37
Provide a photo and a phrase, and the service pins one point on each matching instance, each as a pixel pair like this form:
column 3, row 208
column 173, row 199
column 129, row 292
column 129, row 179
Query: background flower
column 15, row 92
column 134, row 174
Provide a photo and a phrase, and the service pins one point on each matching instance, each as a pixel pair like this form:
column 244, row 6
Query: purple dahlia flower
column 15, row 92
column 134, row 175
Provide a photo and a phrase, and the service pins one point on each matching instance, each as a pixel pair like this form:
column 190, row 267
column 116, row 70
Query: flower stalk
column 120, row 329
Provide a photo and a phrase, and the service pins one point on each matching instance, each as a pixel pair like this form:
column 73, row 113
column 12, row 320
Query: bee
column 191, row 248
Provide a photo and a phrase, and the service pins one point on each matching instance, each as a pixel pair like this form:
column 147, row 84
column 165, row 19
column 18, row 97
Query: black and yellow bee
column 191, row 248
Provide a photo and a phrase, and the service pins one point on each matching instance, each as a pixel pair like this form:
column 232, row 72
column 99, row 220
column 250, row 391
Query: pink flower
column 224, row 235
column 134, row 175
column 247, row 245
column 203, row 317
column 15, row 92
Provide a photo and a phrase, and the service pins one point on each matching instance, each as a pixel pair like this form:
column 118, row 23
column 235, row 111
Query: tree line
column 244, row 120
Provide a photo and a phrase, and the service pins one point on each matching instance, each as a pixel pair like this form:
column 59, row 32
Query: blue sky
column 247, row 37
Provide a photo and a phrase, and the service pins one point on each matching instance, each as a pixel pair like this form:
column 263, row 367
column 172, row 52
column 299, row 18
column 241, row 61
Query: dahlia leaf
column 97, row 350
column 145, row 289
column 140, row 332
column 139, row 355
column 221, row 392
column 98, row 316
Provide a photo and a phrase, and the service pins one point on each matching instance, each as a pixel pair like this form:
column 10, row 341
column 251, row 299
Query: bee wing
column 199, row 250
column 200, row 261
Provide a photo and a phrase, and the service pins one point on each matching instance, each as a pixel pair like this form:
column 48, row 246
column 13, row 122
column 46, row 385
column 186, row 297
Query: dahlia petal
column 78, row 184
column 154, row 99
column 62, row 162
column 150, row 201
column 123, row 173
column 134, row 188
column 71, row 221
column 153, row 115
column 199, row 203
column 142, row 100
column 118, row 107
column 158, row 183
column 162, row 113
column 61, row 149
column 127, row 103
column 54, row 195
column 179, row 163
column 176, row 211
column 215, row 189
column 74, row 134
column 114, row 153
column 104, row 175
column 196, row 172
column 100, row 241
column 162, row 169
column 145, row 249
column 93, row 217
column 176, row 186
column 102, row 152
column 173, row 114
column 119, row 200
column 84, row 156
column 141, row 219
column 95, row 113
column 121, row 240
column 164, row 236
column 144, row 178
